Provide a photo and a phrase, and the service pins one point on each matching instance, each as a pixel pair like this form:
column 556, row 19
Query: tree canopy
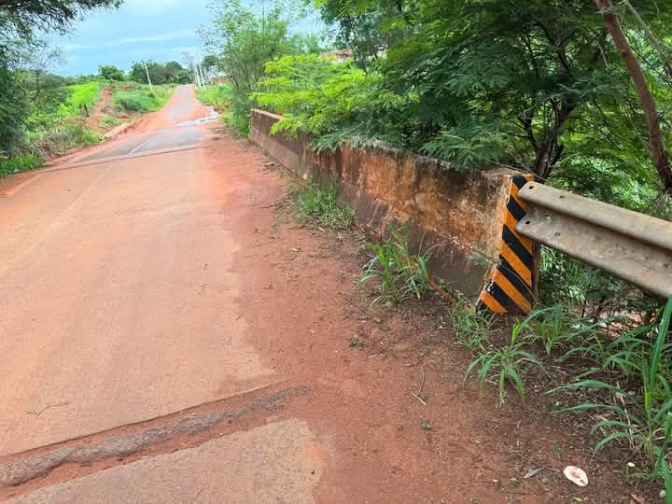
column 171, row 72
column 29, row 15
column 538, row 85
column 110, row 72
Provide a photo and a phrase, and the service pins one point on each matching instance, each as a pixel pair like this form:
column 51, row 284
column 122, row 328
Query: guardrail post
column 510, row 289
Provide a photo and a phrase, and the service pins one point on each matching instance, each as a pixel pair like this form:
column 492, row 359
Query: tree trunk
column 658, row 153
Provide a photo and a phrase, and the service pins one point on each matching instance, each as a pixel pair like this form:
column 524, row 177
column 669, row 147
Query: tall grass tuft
column 318, row 205
column 400, row 273
column 642, row 413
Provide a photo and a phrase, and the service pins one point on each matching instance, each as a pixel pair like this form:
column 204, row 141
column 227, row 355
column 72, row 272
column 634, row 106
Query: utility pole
column 199, row 71
column 148, row 79
column 197, row 77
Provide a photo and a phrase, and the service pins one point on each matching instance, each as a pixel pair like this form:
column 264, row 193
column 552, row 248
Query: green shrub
column 238, row 122
column 19, row 163
column 329, row 102
column 132, row 103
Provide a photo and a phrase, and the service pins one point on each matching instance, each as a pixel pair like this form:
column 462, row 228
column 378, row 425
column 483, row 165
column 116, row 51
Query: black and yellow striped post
column 510, row 289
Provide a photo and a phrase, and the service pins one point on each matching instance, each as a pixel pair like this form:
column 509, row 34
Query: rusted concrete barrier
column 460, row 214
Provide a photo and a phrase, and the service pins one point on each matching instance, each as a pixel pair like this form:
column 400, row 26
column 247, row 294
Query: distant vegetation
column 139, row 98
column 217, row 96
column 42, row 113
column 171, row 72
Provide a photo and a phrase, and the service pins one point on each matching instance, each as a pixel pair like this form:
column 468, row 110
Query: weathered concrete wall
column 459, row 214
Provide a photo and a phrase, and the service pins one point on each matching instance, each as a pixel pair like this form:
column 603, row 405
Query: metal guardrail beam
column 627, row 244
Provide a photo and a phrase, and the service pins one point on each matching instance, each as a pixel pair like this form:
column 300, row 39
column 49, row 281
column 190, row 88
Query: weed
column 318, row 204
column 562, row 334
column 355, row 341
column 68, row 136
column 425, row 425
column 20, row 163
column 238, row 122
column 110, row 121
column 642, row 416
column 506, row 364
column 218, row 97
column 402, row 275
column 472, row 329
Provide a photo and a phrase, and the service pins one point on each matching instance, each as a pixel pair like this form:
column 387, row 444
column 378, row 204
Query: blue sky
column 160, row 30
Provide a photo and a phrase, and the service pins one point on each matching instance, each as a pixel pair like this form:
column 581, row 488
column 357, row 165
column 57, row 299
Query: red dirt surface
column 182, row 106
column 303, row 306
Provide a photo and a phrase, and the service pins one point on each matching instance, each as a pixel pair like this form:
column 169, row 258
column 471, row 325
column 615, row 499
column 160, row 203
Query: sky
column 160, row 30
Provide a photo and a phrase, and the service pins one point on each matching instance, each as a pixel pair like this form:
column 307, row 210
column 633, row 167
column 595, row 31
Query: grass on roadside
column 234, row 109
column 637, row 410
column 318, row 205
column 139, row 98
column 82, row 96
column 110, row 121
column 19, row 163
column 400, row 273
column 625, row 380
column 216, row 96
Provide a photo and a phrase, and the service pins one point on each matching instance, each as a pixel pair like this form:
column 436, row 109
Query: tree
column 243, row 40
column 46, row 15
column 13, row 103
column 661, row 158
column 210, row 61
column 172, row 70
column 140, row 69
column 361, row 29
column 535, row 85
column 111, row 72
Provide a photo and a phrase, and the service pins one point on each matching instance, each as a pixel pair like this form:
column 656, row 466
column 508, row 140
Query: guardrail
column 627, row 244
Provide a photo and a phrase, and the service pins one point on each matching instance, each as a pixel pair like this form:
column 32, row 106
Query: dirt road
column 166, row 336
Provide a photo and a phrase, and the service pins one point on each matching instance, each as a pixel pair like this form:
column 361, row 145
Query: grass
column 235, row 111
column 110, row 121
column 318, row 205
column 508, row 363
column 400, row 273
column 20, row 163
column 81, row 96
column 624, row 382
column 69, row 135
column 139, row 98
column 472, row 329
column 218, row 97
column 640, row 413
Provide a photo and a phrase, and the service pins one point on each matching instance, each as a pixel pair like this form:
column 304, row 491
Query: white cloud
column 77, row 47
column 174, row 35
